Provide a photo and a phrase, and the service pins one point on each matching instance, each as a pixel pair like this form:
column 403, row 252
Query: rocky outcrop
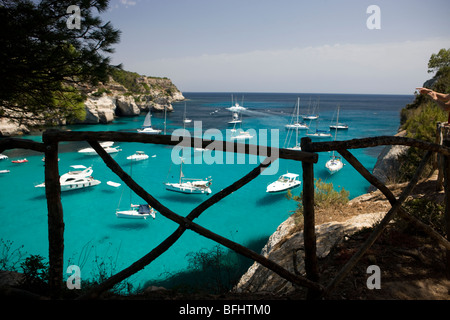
column 99, row 109
column 107, row 101
column 387, row 166
column 285, row 245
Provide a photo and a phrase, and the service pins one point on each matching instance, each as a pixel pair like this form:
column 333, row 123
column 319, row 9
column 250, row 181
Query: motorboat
column 241, row 135
column 139, row 155
column 77, row 179
column 4, row 171
column 24, row 160
column 147, row 126
column 334, row 164
column 140, row 211
column 190, row 186
column 285, row 182
column 3, row 156
column 107, row 146
column 236, row 108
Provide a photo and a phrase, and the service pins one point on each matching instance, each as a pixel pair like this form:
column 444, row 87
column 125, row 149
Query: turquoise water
column 249, row 214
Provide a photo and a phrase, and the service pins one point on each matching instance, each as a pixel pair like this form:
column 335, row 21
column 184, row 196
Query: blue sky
column 281, row 45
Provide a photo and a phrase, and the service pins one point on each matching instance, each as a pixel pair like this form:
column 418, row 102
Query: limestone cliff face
column 113, row 99
column 107, row 101
column 285, row 245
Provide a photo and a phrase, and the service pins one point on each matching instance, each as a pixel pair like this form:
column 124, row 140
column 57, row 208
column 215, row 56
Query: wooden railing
column 308, row 157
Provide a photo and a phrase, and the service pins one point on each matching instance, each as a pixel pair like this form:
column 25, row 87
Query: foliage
column 325, row 197
column 439, row 61
column 36, row 273
column 420, row 117
column 429, row 212
column 42, row 60
column 10, row 257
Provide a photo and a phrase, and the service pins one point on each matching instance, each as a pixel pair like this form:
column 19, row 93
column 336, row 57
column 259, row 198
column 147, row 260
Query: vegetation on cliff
column 43, row 59
column 420, row 117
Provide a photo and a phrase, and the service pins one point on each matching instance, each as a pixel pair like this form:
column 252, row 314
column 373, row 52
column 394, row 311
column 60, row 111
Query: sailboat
column 338, row 125
column 186, row 120
column 136, row 211
column 235, row 118
column 147, row 125
column 240, row 134
column 334, row 164
column 236, row 107
column 297, row 124
column 311, row 116
column 189, row 185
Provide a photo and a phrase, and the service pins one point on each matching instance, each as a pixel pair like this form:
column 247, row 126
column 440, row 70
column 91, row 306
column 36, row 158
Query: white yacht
column 138, row 156
column 147, row 126
column 236, row 108
column 140, row 211
column 241, row 135
column 107, row 146
column 3, row 156
column 78, row 179
column 285, row 182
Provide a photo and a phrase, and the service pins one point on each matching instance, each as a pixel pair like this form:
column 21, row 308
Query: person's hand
column 427, row 91
column 424, row 90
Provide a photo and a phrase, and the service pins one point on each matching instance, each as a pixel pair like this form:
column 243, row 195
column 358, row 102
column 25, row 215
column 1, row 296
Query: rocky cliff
column 125, row 94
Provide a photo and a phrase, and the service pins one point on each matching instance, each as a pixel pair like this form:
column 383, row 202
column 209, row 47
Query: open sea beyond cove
column 93, row 233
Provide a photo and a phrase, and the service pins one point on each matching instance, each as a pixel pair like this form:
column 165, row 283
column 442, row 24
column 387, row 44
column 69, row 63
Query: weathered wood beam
column 173, row 140
column 16, row 143
column 391, row 198
column 186, row 223
column 378, row 141
column 55, row 219
column 309, row 231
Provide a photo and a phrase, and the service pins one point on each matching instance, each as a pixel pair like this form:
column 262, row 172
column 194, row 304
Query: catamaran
column 147, row 125
column 285, row 182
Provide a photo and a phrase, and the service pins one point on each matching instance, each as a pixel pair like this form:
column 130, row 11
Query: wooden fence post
column 446, row 169
column 309, row 232
column 55, row 218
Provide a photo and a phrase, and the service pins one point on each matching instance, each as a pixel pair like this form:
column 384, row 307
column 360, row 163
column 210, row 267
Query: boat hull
column 181, row 188
column 271, row 188
column 334, row 166
column 133, row 214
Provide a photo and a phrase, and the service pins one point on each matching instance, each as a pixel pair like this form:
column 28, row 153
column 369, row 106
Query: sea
column 102, row 244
